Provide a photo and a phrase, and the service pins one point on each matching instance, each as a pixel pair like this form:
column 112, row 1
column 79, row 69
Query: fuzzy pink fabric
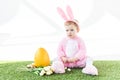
column 80, row 53
column 90, row 69
column 58, row 67
column 84, row 61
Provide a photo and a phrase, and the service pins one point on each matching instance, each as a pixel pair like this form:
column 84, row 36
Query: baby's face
column 71, row 31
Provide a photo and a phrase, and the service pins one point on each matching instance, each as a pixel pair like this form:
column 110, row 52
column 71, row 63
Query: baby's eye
column 66, row 30
column 72, row 30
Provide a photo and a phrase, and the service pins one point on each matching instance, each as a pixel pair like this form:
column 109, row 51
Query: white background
column 26, row 25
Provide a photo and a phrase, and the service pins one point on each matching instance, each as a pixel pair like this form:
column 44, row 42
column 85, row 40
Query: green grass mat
column 108, row 70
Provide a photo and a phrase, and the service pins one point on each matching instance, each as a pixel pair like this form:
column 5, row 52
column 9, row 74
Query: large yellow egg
column 41, row 58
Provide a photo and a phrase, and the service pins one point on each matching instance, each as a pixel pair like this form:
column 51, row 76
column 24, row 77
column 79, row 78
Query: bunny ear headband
column 69, row 12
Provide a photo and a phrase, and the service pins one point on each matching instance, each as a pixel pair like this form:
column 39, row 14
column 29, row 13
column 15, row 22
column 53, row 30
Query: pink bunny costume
column 73, row 47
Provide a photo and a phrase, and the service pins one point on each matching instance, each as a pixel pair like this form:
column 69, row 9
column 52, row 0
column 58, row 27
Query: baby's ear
column 70, row 13
column 62, row 14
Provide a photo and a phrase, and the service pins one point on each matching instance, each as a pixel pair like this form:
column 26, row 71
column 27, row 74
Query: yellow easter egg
column 41, row 58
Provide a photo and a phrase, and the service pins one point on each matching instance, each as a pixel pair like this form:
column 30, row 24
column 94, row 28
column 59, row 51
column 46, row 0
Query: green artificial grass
column 108, row 70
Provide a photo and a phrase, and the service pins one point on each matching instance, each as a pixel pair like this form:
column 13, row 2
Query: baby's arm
column 62, row 56
column 82, row 50
column 61, row 53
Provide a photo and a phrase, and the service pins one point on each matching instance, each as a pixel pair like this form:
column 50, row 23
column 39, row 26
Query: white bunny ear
column 69, row 12
column 61, row 12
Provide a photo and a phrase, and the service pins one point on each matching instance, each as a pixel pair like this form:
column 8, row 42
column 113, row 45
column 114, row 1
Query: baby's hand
column 72, row 60
column 64, row 59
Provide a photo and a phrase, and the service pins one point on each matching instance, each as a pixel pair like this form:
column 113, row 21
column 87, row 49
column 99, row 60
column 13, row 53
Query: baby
column 71, row 50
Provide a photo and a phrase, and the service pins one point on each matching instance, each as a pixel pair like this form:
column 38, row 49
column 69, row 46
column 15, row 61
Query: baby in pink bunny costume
column 71, row 50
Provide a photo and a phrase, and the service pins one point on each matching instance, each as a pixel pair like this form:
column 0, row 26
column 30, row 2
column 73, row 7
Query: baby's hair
column 68, row 23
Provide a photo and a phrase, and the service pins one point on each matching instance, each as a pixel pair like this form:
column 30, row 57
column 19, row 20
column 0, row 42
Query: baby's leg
column 81, row 63
column 90, row 68
column 58, row 66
